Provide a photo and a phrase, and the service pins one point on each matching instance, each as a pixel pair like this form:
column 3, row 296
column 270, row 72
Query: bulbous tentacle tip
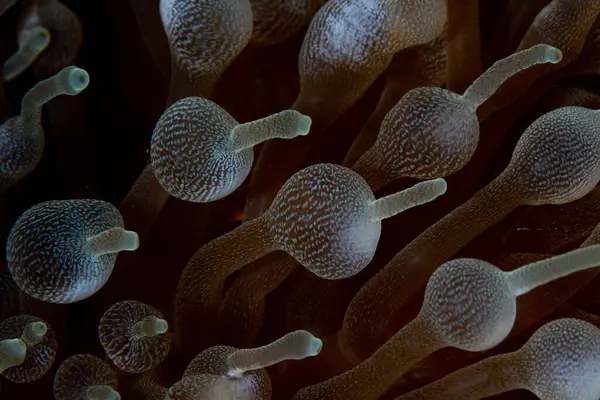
column 19, row 346
column 12, row 353
column 39, row 328
column 40, row 38
column 162, row 326
column 131, row 240
column 439, row 186
column 553, row 55
column 304, row 124
column 316, row 346
column 77, row 80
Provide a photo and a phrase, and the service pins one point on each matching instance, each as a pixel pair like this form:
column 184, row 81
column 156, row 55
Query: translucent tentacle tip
column 38, row 37
column 39, row 329
column 12, row 353
column 315, row 347
column 75, row 79
column 102, row 392
column 303, row 122
column 553, row 55
column 161, row 326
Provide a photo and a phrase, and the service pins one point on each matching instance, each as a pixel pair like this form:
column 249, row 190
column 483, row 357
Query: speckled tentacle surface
column 213, row 362
column 192, row 152
column 559, row 362
column 423, row 65
column 201, row 283
column 322, row 218
column 131, row 349
column 78, row 373
column 243, row 307
column 205, row 37
column 432, row 132
column 207, row 387
column 40, row 356
column 277, row 20
column 201, row 154
column 149, row 388
column 340, row 56
column 469, row 304
column 293, row 346
column 432, row 145
column 22, row 138
column 555, row 161
column 564, row 24
column 370, row 379
column 49, row 256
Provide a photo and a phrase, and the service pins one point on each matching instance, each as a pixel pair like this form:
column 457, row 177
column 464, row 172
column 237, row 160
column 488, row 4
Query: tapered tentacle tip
column 76, row 80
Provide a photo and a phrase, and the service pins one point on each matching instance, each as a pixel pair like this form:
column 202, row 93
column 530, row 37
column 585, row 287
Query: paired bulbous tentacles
column 28, row 347
column 64, row 251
